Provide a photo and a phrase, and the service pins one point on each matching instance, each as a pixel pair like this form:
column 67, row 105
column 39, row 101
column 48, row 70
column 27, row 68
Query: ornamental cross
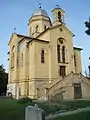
column 40, row 5
column 57, row 6
column 14, row 30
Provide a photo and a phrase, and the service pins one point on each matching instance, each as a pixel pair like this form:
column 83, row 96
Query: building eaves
column 77, row 48
column 31, row 38
column 19, row 35
column 35, row 39
column 43, row 32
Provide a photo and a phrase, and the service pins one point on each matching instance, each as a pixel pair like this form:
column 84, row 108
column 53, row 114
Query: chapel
column 45, row 64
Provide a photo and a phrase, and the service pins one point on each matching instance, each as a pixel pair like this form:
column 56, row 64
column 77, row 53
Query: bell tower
column 58, row 15
column 38, row 22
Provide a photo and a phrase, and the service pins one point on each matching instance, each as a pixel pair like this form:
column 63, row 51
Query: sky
column 16, row 13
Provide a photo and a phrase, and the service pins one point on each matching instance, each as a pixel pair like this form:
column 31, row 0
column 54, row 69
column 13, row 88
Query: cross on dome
column 40, row 5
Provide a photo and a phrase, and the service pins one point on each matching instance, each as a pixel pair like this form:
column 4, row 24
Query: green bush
column 25, row 100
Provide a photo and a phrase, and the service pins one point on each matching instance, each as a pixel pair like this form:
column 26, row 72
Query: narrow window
column 42, row 57
column 63, row 54
column 38, row 92
column 12, row 61
column 45, row 27
column 59, row 16
column 12, row 57
column 30, row 30
column 75, row 60
column 58, row 53
column 37, row 28
column 22, row 59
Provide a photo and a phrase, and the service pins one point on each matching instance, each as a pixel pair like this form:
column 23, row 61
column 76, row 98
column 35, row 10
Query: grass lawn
column 78, row 116
column 11, row 109
column 76, row 103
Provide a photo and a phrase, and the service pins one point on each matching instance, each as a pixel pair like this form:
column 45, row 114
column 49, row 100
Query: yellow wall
column 53, row 35
column 78, row 68
column 13, row 71
column 32, row 74
column 41, row 21
column 41, row 69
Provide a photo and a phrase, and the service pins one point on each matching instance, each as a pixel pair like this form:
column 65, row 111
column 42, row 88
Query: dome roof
column 41, row 12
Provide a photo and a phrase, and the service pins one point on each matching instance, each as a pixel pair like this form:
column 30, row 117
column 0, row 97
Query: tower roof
column 57, row 7
column 41, row 12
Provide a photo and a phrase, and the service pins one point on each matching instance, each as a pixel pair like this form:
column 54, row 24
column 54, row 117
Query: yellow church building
column 45, row 64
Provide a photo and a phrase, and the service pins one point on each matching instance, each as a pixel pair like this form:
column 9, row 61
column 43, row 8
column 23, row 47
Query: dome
column 41, row 12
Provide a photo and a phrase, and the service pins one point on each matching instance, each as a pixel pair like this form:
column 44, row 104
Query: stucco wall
column 41, row 21
column 13, row 45
column 85, row 91
column 41, row 69
column 55, row 34
column 77, row 54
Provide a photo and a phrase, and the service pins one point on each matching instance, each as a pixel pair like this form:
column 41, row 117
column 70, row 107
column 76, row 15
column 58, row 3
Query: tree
column 87, row 25
column 3, row 80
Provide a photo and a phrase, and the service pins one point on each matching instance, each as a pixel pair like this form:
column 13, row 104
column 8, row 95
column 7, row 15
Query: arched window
column 38, row 93
column 59, row 16
column 58, row 53
column 30, row 31
column 42, row 56
column 63, row 54
column 45, row 27
column 37, row 28
column 22, row 59
column 12, row 57
column 13, row 60
column 75, row 60
column 61, row 51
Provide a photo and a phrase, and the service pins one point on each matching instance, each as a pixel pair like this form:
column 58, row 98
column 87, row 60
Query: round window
column 61, row 41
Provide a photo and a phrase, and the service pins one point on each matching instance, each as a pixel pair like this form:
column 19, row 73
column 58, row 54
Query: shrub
column 25, row 100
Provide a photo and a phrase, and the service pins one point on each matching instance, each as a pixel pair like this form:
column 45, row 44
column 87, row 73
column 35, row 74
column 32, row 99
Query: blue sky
column 16, row 13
